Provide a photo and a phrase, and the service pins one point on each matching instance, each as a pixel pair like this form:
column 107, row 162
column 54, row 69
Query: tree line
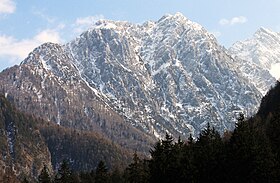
column 244, row 155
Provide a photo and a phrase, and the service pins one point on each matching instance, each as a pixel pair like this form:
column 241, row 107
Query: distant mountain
column 260, row 55
column 133, row 83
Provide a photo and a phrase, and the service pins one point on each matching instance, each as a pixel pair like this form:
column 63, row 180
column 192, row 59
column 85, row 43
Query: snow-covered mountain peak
column 177, row 16
column 265, row 31
column 42, row 49
column 261, row 53
column 105, row 24
column 178, row 19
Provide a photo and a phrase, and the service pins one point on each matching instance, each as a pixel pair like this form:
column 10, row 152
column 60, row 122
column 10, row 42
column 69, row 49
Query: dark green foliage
column 44, row 176
column 251, row 158
column 64, row 174
column 137, row 171
column 101, row 173
column 271, row 102
column 25, row 181
column 209, row 156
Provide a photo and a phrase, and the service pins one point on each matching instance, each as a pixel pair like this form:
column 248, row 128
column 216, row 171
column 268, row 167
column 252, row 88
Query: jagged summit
column 263, row 31
column 262, row 51
column 179, row 17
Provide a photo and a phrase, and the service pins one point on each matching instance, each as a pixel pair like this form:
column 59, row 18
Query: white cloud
column 17, row 50
column 233, row 21
column 224, row 21
column 83, row 23
column 7, row 6
column 48, row 35
column 275, row 71
column 88, row 20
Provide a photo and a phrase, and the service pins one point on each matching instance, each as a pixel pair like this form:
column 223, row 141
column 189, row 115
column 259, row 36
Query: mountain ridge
column 262, row 49
column 158, row 77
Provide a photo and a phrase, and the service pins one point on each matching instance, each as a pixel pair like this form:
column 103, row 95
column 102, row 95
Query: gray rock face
column 165, row 76
column 259, row 58
column 170, row 75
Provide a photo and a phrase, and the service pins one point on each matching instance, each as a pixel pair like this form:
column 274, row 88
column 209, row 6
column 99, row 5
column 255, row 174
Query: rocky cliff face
column 131, row 82
column 47, row 84
column 260, row 58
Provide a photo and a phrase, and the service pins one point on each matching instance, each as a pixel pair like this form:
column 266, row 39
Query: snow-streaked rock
column 260, row 58
column 169, row 75
column 165, row 76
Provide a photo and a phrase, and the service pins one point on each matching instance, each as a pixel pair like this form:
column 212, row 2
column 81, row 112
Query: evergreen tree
column 64, row 174
column 188, row 162
column 101, row 173
column 117, row 176
column 209, row 156
column 164, row 163
column 251, row 157
column 25, row 180
column 86, row 177
column 137, row 171
column 44, row 176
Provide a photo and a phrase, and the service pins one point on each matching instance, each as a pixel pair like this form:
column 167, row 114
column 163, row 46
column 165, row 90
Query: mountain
column 133, row 83
column 28, row 143
column 48, row 85
column 23, row 150
column 260, row 55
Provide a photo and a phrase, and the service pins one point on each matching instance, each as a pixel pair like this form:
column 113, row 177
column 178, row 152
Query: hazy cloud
column 44, row 16
column 275, row 68
column 233, row 21
column 7, row 6
column 83, row 23
column 17, row 50
column 48, row 35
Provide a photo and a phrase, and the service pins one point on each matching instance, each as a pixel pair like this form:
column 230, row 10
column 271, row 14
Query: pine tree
column 64, row 174
column 44, row 176
column 24, row 180
column 101, row 173
column 163, row 161
column 209, row 152
column 137, row 171
column 251, row 157
column 117, row 176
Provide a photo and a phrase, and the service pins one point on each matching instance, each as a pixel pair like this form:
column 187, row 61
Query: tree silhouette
column 44, row 176
column 101, row 173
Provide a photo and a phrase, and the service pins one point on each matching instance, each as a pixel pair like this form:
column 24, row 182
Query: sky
column 26, row 24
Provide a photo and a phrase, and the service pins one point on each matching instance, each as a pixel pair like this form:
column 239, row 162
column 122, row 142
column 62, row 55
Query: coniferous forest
column 250, row 153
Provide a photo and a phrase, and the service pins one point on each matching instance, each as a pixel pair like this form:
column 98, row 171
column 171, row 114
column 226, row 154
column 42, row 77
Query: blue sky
column 25, row 24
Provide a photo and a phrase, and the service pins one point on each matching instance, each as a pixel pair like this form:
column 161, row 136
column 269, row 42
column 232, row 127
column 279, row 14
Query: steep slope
column 23, row 151
column 48, row 85
column 133, row 83
column 260, row 55
column 28, row 143
column 83, row 150
column 167, row 75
